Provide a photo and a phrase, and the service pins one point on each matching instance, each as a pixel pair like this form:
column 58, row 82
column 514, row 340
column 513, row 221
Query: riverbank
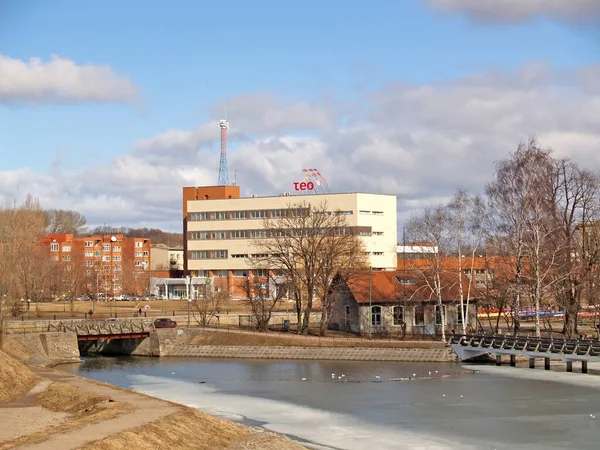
column 45, row 409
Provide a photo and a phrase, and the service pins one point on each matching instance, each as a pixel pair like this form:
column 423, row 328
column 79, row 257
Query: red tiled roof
column 384, row 287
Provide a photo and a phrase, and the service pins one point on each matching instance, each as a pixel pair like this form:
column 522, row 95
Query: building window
column 117, row 258
column 116, row 249
column 218, row 254
column 239, row 234
column 199, row 254
column 240, row 273
column 89, row 243
column 239, row 215
column 89, row 263
column 347, row 310
column 218, row 235
column 378, row 233
column 117, row 287
column 259, row 214
column 139, row 244
column 198, row 216
column 54, row 258
column 106, row 259
column 376, row 315
column 377, row 253
column 438, row 315
column 419, row 315
column 199, row 235
column 264, row 273
column 398, row 315
column 106, row 247
column 404, row 280
column 97, row 253
column 66, row 248
column 146, row 254
column 378, row 213
column 259, row 234
column 117, row 268
column 138, row 254
column 240, row 255
column 107, row 287
column 278, row 213
column 139, row 263
column 54, row 247
column 89, row 254
column 343, row 213
column 364, row 213
column 221, row 273
column 219, row 215
column 66, row 258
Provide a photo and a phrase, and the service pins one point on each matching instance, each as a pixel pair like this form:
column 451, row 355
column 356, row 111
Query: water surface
column 363, row 410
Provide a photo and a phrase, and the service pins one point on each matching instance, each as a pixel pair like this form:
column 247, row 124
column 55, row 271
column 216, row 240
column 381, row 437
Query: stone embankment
column 220, row 344
column 49, row 349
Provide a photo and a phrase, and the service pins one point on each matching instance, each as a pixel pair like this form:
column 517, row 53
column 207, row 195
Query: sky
column 109, row 108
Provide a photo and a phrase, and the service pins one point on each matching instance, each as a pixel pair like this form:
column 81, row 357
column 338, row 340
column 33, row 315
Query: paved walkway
column 147, row 410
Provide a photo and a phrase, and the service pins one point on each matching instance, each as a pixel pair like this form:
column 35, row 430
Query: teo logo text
column 303, row 186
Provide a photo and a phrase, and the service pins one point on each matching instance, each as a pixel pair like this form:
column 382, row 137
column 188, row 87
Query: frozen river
column 497, row 408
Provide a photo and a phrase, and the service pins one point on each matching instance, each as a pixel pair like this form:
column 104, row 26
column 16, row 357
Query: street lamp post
column 370, row 302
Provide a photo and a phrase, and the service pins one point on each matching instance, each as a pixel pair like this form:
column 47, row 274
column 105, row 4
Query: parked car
column 165, row 323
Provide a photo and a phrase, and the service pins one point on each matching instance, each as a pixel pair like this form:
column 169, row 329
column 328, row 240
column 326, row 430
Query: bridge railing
column 575, row 347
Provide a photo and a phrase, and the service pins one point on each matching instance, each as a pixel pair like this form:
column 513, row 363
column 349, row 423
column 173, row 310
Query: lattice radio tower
column 223, row 172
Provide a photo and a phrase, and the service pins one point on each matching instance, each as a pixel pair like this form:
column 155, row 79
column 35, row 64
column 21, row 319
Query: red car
column 165, row 323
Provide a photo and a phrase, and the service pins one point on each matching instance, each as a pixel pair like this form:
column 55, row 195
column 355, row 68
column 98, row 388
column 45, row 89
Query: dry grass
column 63, row 397
column 98, row 413
column 188, row 429
column 16, row 350
column 293, row 340
column 15, row 378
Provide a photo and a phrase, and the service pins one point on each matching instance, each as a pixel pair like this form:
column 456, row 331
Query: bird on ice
column 377, row 376
column 592, row 416
column 414, row 374
column 303, row 379
column 443, row 395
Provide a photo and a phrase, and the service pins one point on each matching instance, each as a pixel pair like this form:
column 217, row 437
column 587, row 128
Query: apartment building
column 166, row 258
column 110, row 264
column 220, row 226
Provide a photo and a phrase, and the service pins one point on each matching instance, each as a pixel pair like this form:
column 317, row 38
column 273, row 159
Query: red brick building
column 101, row 265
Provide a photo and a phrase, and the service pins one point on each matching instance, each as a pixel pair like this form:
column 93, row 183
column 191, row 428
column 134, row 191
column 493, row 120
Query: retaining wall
column 50, row 348
column 317, row 353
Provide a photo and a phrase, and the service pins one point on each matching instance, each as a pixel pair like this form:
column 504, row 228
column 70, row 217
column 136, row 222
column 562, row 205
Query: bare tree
column 576, row 210
column 262, row 295
column 59, row 221
column 466, row 219
column 207, row 305
column 294, row 243
column 432, row 227
column 72, row 276
column 509, row 198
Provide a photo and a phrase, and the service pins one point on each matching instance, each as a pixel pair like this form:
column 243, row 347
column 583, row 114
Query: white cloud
column 510, row 11
column 61, row 80
column 420, row 142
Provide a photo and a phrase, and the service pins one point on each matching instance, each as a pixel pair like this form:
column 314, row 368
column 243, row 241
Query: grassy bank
column 255, row 339
column 60, row 406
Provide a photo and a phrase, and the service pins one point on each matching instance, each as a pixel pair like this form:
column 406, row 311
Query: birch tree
column 432, row 227
column 508, row 201
column 466, row 219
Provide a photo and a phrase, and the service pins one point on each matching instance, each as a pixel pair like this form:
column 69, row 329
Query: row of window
column 259, row 234
column 250, row 214
column 363, row 212
column 398, row 315
column 106, row 247
column 223, row 254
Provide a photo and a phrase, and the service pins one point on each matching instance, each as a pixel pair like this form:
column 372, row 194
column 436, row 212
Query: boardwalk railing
column 568, row 350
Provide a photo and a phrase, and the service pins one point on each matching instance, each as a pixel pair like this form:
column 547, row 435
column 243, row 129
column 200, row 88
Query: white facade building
column 220, row 226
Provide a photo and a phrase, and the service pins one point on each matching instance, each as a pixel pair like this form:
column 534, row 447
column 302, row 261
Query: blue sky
column 189, row 57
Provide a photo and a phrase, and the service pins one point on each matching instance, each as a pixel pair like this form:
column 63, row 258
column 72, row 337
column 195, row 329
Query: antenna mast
column 223, row 172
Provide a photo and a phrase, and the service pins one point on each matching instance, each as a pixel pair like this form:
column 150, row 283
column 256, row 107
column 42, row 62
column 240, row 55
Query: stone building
column 397, row 303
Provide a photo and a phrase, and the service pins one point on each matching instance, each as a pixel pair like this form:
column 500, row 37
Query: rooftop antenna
column 223, row 172
column 235, row 177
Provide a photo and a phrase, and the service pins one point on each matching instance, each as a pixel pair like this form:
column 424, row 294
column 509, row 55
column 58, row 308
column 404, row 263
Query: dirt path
column 147, row 410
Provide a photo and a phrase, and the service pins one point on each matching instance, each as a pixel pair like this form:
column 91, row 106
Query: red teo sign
column 303, row 186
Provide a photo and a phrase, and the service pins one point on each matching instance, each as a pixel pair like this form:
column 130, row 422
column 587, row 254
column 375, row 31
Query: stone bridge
column 92, row 330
